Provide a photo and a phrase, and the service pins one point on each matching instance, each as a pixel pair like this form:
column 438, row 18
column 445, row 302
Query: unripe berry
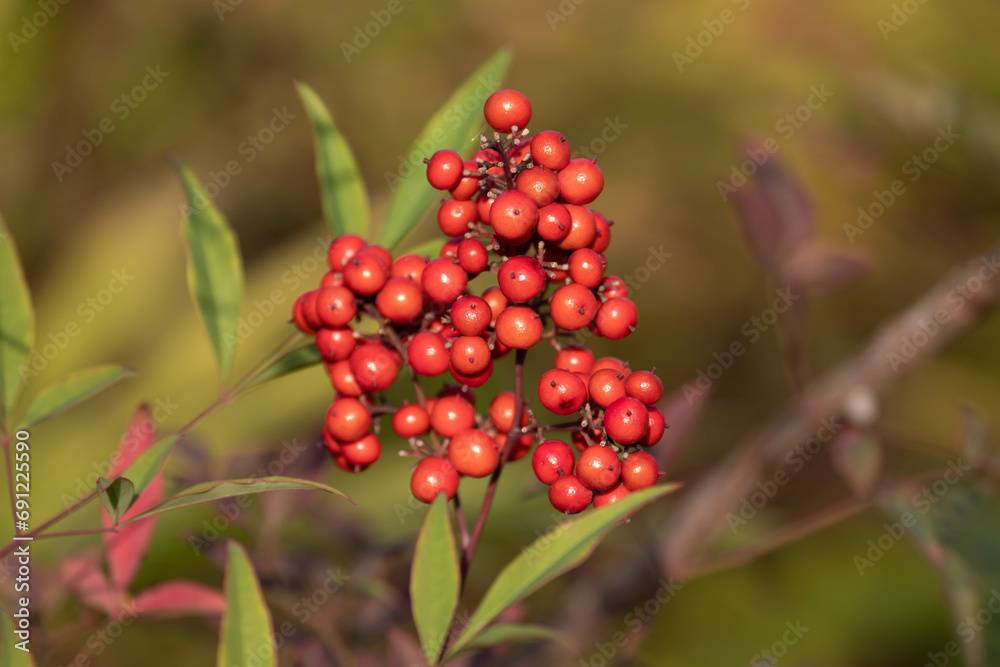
column 470, row 355
column 568, row 495
column 657, row 426
column 335, row 344
column 644, row 386
column 639, row 471
column 348, row 419
column 444, row 169
column 606, row 386
column 521, row 279
column 411, row 421
column 432, row 476
column 550, row 149
column 554, row 222
column 408, row 266
column 365, row 273
column 626, row 421
column 581, row 181
column 473, row 453
column 505, row 109
column 452, row 414
column 472, row 256
column 427, row 354
column 514, row 215
column 540, row 184
column 519, row 327
column 616, row 318
column 573, row 307
column 444, row 280
column 374, row 366
column 582, row 231
column 586, row 268
column 561, row 392
column 400, row 301
column 455, row 215
column 575, row 358
column 552, row 459
column 362, row 452
column 610, row 497
column 343, row 248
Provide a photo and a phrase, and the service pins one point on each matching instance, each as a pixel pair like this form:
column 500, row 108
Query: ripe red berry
column 657, row 426
column 342, row 249
column 331, row 279
column 519, row 327
column 444, row 169
column 561, row 392
column 645, row 386
column 626, row 421
column 613, row 363
column 470, row 355
column 598, row 468
column 575, row 358
column 606, row 386
column 427, row 354
column 400, row 301
column 472, row 256
column 335, row 307
column 473, row 453
column 506, row 109
column 450, row 248
column 432, row 476
column 554, row 222
column 568, row 494
column 540, row 184
column 613, row 286
column 513, row 215
column 581, row 181
column 365, row 273
column 381, row 253
column 603, row 238
column 374, row 366
column 610, row 497
column 306, row 303
column 331, row 443
column 502, row 412
column 521, row 279
column 455, row 215
column 471, row 315
column 348, row 419
column 473, row 380
column 408, row 266
column 469, row 185
column 586, row 268
column 498, row 302
column 639, row 471
column 550, row 149
column 335, row 344
column 452, row 414
column 573, row 307
column 343, row 379
column 616, row 318
column 552, row 459
column 582, row 231
column 444, row 280
column 362, row 452
column 411, row 421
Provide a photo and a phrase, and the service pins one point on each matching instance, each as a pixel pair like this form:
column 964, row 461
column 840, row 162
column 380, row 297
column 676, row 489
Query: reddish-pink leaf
column 138, row 437
column 790, row 201
column 760, row 222
column 90, row 585
column 681, row 411
column 821, row 266
column 180, row 598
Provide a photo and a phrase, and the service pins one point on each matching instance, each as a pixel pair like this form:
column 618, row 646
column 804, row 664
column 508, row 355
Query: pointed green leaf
column 305, row 356
column 341, row 187
column 211, row 491
column 71, row 390
column 116, row 496
column 10, row 655
column 456, row 125
column 247, row 635
column 565, row 547
column 215, row 270
column 17, row 322
column 434, row 580
column 515, row 633
column 146, row 465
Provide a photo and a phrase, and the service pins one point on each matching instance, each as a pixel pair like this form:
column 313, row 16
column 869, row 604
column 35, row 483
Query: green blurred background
column 587, row 66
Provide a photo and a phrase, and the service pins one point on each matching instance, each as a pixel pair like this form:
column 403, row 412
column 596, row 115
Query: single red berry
column 582, row 231
column 568, row 494
column 427, row 354
column 348, row 419
column 444, row 280
column 581, row 181
column 331, row 279
column 304, row 313
column 521, row 279
column 450, row 248
column 362, row 452
column 540, row 184
column 380, row 252
column 552, row 459
column 573, row 307
column 342, row 249
column 603, row 238
column 335, row 307
column 554, row 222
column 455, row 215
column 474, row 380
column 374, row 366
column 452, row 414
column 408, row 266
column 561, row 392
column 613, row 363
column 639, row 471
column 613, row 286
column 400, row 301
column 470, row 355
column 365, row 273
column 616, row 318
column 411, row 421
column 335, row 344
column 626, row 421
column 519, row 327
column 585, row 379
column 610, row 497
column 444, row 169
column 469, row 185
column 606, row 386
column 343, row 379
column 483, row 205
column 502, row 412
column 550, row 149
column 498, row 302
column 586, row 267
column 459, row 392
column 598, row 468
column 514, row 215
column 472, row 256
column 471, row 315
column 645, row 386
column 506, row 109
column 432, row 476
column 331, row 443
column 657, row 426
column 576, row 358
column 473, row 453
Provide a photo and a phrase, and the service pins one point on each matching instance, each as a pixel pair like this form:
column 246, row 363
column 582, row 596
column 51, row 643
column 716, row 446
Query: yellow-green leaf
column 10, row 655
column 305, row 356
column 515, row 633
column 434, row 580
column 247, row 635
column 145, row 466
column 70, row 390
column 17, row 322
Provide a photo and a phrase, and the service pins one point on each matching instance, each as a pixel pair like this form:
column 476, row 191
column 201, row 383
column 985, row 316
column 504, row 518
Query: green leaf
column 456, row 125
column 215, row 270
column 10, row 655
column 515, row 633
column 211, row 491
column 17, row 322
column 148, row 464
column 565, row 547
column 431, row 248
column 341, row 187
column 247, row 635
column 71, row 390
column 116, row 496
column 434, row 580
column 296, row 360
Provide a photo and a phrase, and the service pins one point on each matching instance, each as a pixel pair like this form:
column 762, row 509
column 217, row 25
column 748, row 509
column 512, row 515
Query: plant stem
column 10, row 483
column 84, row 531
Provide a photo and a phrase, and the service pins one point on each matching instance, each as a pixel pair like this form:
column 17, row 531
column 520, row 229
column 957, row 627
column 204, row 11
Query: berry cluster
column 518, row 210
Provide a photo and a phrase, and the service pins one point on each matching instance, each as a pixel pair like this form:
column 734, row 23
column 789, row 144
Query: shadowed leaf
column 17, row 322
column 434, row 579
column 71, row 390
column 296, row 360
column 247, row 635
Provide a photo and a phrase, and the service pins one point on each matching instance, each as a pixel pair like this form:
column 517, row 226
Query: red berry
column 400, row 301
column 521, row 279
column 550, row 149
column 657, row 426
column 444, row 169
column 573, row 307
column 411, row 421
column 455, row 215
column 450, row 248
column 365, row 273
column 483, row 205
column 567, row 494
column 363, row 452
column 581, row 181
column 575, row 358
column 472, row 256
column 469, row 185
column 473, row 453
column 514, row 215
column 408, row 266
column 331, row 279
column 444, row 280
column 470, row 355
column 606, row 386
column 502, row 412
column 626, row 421
column 552, row 459
column 348, row 419
column 432, row 476
column 343, row 379
column 644, row 386
column 610, row 497
column 498, row 302
column 586, row 268
column 374, row 366
column 427, row 354
column 613, row 286
column 452, row 414
column 306, row 303
column 613, row 363
column 342, row 249
column 598, row 468
column 506, row 109
column 540, row 184
column 471, row 315
column 582, row 231
column 639, row 471
column 561, row 392
column 335, row 307
column 554, row 222
column 331, row 443
column 381, row 253
column 519, row 327
column 616, row 318
column 474, row 380
column 603, row 238
column 335, row 344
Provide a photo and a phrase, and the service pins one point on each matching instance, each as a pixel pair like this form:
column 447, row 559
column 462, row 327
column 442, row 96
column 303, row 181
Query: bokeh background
column 588, row 65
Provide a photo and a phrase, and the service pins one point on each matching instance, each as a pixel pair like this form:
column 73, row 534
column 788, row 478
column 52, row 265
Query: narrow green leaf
column 565, row 548
column 116, row 496
column 341, row 187
column 146, row 465
column 456, row 125
column 17, row 322
column 515, row 633
column 431, row 248
column 434, row 580
column 71, row 390
column 296, row 360
column 247, row 635
column 215, row 270
column 10, row 655
column 210, row 491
